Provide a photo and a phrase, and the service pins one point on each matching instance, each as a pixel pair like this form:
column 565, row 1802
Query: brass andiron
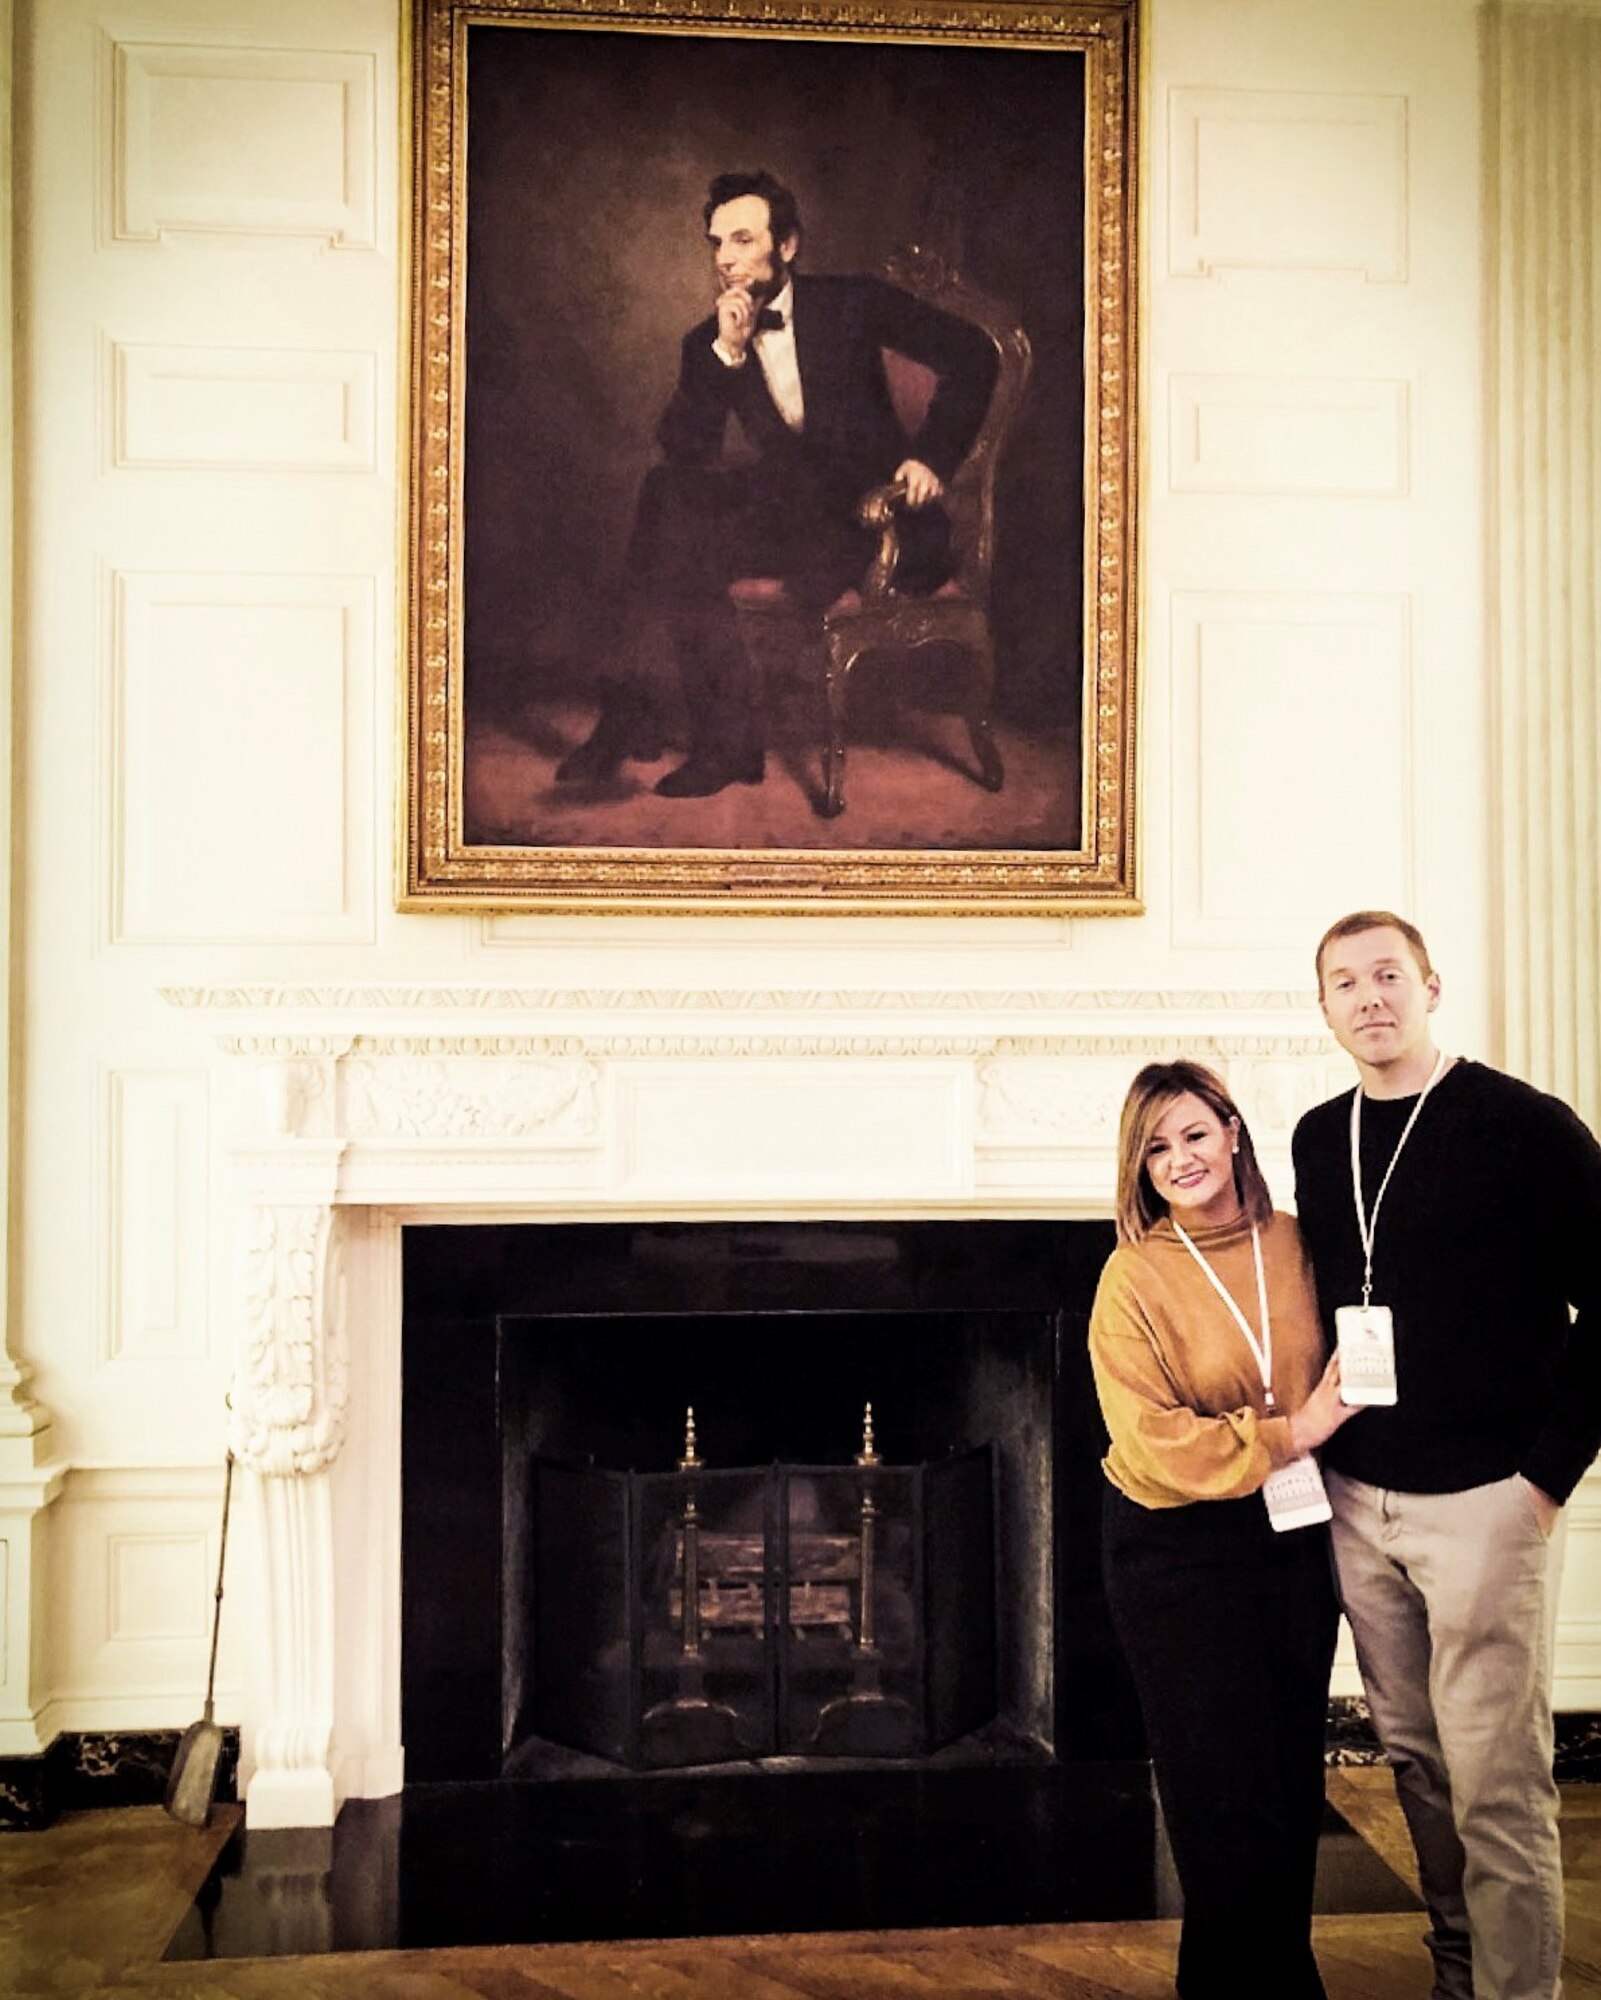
column 689, row 1727
column 867, row 1456
column 841, row 1606
column 690, row 1462
column 867, row 1722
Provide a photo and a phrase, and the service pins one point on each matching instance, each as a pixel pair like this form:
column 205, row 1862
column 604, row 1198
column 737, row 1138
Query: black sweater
column 1490, row 1230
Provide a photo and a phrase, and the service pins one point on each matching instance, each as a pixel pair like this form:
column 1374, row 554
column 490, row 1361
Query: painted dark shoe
column 700, row 777
column 603, row 753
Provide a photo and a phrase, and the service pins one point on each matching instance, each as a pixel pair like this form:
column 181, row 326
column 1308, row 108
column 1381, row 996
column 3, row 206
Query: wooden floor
column 87, row 1907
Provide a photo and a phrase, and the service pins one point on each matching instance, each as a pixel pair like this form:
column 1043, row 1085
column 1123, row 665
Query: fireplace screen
column 707, row 1615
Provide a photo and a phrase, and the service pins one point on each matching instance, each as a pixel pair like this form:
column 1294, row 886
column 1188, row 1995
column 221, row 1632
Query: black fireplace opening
column 549, row 1374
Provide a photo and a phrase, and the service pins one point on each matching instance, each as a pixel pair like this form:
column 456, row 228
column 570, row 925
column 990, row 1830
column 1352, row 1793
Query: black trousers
column 1229, row 1631
column 696, row 528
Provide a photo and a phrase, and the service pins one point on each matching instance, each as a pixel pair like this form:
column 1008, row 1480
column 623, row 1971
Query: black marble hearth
column 698, row 1855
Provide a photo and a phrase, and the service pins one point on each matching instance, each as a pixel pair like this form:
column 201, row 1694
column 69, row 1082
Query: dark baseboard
column 86, row 1768
column 129, row 1767
column 1578, row 1754
column 1351, row 1740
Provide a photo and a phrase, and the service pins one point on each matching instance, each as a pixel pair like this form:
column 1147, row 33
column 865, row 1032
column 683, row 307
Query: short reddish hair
column 1374, row 920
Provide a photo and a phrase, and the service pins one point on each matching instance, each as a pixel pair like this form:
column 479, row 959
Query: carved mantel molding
column 436, row 1075
column 388, row 1000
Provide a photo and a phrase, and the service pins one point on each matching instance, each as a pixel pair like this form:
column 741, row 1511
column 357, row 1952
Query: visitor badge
column 1366, row 1337
column 1295, row 1496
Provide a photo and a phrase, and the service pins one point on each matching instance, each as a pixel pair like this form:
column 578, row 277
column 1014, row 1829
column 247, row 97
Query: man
column 1474, row 1226
column 799, row 363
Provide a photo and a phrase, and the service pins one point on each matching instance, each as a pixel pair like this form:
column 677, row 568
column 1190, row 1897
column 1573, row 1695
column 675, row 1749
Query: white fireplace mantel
column 350, row 1111
column 667, row 1100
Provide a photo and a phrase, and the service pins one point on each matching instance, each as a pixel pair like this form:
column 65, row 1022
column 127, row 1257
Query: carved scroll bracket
column 291, row 1385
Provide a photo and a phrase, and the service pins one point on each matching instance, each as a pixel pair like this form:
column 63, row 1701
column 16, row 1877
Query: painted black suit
column 791, row 513
column 852, row 438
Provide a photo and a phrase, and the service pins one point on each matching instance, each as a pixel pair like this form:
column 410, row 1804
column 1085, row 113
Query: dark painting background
column 588, row 158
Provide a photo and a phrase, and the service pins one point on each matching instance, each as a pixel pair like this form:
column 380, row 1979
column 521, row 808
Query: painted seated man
column 799, row 362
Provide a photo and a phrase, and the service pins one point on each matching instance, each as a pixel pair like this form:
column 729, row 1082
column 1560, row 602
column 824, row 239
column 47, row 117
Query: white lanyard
column 1367, row 1226
column 1262, row 1349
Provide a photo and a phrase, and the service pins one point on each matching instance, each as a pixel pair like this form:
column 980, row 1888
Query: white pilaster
column 29, row 1480
column 1544, row 105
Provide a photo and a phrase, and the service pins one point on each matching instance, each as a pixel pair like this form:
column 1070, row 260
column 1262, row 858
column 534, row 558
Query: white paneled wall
column 1298, row 436
column 211, row 218
column 242, row 704
column 155, row 1229
column 242, row 409
column 208, row 647
column 1313, row 643
column 134, row 1568
column 1285, row 705
column 1287, row 181
column 244, row 141
column 208, row 232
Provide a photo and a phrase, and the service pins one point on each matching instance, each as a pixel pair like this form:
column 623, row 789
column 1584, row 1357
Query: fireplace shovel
column 192, row 1781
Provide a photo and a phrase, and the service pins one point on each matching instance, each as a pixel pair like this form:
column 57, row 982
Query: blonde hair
column 1373, row 920
column 1153, row 1091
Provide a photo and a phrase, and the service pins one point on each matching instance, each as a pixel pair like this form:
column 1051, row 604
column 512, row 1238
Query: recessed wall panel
column 1291, row 735
column 260, row 142
column 243, row 409
column 1259, row 435
column 241, row 780
column 158, row 1208
column 156, row 1587
column 133, row 1570
column 1287, row 181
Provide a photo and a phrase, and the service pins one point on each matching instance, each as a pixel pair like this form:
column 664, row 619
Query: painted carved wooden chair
column 881, row 619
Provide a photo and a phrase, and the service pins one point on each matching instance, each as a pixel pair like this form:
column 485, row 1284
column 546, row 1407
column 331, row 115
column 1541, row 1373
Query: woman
column 1208, row 1358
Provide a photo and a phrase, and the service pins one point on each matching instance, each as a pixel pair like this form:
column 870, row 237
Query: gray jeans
column 1448, row 1595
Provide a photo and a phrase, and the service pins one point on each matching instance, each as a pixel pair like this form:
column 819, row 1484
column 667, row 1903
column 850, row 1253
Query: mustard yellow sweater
column 1179, row 1388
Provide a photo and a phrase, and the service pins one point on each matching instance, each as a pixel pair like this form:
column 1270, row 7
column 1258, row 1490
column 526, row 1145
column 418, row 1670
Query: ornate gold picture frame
column 949, row 727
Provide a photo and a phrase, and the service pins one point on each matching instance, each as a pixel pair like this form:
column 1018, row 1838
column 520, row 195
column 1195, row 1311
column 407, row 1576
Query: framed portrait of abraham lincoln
column 772, row 498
